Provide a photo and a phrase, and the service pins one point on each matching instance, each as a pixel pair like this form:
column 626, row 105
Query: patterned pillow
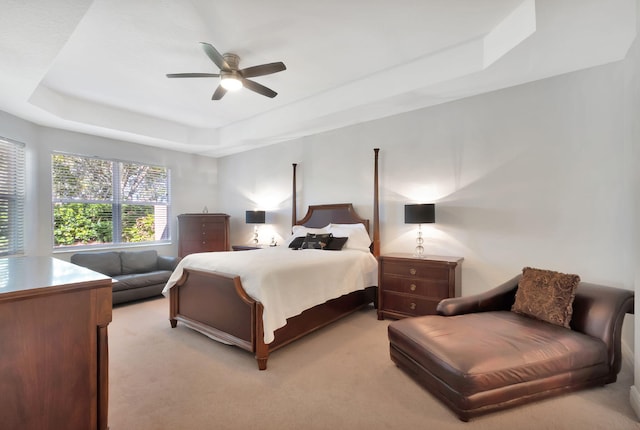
column 316, row 241
column 546, row 295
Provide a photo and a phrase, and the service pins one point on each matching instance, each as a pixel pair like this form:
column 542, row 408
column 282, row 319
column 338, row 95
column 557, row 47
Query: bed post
column 376, row 208
column 294, row 217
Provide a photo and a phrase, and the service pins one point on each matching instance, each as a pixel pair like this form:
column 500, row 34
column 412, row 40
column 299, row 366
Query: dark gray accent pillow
column 316, row 241
column 139, row 261
column 336, row 243
column 107, row 263
column 296, row 243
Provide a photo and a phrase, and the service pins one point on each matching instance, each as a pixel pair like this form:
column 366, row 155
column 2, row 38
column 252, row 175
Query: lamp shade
column 420, row 214
column 254, row 217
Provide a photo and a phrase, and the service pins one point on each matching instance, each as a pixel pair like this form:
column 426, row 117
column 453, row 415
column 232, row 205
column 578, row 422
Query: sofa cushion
column 140, row 280
column 107, row 263
column 484, row 351
column 546, row 295
column 139, row 261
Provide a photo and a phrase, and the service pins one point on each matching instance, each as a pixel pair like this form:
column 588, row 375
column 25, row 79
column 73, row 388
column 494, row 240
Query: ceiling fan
column 231, row 77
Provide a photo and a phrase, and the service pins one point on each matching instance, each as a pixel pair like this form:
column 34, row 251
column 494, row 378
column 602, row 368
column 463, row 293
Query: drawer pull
column 412, row 271
column 412, row 306
column 412, row 287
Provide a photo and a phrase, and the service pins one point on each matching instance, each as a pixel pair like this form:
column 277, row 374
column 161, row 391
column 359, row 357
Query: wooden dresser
column 410, row 286
column 203, row 233
column 54, row 366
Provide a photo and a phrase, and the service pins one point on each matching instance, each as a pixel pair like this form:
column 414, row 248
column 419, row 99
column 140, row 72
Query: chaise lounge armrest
column 499, row 298
column 599, row 311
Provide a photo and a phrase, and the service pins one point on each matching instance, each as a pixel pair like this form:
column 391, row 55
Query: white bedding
column 288, row 281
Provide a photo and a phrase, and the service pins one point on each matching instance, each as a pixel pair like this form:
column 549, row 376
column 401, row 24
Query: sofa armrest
column 167, row 263
column 599, row 312
column 499, row 298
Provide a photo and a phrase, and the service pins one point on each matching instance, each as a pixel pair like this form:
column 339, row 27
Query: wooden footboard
column 216, row 305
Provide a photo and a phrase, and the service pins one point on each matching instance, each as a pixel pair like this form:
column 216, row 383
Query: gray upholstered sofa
column 139, row 274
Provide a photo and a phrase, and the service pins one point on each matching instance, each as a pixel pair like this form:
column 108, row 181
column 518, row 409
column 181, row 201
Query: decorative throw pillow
column 336, row 243
column 316, row 241
column 546, row 295
column 296, row 243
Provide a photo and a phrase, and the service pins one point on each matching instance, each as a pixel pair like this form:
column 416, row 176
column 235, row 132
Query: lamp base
column 255, row 235
column 419, row 251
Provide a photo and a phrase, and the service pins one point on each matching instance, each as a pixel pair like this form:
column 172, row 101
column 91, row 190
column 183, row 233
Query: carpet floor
column 340, row 377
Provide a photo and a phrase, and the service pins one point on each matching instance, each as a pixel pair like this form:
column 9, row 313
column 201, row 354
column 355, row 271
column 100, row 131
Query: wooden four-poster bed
column 218, row 305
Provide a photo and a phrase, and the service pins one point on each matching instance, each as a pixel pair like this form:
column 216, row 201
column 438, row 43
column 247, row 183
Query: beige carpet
column 338, row 378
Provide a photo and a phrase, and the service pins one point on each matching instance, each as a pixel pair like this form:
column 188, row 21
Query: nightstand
column 410, row 286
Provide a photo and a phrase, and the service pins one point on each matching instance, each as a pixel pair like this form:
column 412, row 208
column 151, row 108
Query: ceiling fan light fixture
column 230, row 81
column 231, row 77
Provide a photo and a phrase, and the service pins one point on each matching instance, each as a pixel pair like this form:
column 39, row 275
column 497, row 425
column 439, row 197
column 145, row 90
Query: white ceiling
column 99, row 66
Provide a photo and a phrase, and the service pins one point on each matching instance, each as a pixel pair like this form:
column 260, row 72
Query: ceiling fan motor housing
column 232, row 60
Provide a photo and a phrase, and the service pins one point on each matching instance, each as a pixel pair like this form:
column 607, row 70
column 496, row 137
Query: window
column 98, row 201
column 12, row 197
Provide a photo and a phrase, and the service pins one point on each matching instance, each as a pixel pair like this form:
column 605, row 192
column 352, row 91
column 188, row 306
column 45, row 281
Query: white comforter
column 288, row 281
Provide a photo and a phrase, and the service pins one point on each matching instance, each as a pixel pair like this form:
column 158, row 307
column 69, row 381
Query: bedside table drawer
column 409, row 305
column 434, row 288
column 418, row 269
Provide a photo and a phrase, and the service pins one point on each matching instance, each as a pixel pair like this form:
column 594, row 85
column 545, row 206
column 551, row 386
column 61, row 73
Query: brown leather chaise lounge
column 478, row 356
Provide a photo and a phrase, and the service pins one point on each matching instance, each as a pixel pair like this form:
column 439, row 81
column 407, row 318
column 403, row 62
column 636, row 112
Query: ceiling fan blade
column 192, row 75
column 215, row 56
column 258, row 88
column 219, row 93
column 263, row 69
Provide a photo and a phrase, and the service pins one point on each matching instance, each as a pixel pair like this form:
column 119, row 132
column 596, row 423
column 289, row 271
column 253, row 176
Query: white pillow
column 357, row 234
column 300, row 230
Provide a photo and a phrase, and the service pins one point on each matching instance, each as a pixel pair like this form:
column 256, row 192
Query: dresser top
column 22, row 276
column 427, row 257
column 203, row 214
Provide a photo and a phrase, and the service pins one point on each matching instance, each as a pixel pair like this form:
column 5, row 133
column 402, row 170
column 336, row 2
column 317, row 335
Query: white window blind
column 12, row 197
column 98, row 201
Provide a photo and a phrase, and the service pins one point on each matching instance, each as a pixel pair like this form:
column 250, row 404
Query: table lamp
column 419, row 214
column 255, row 217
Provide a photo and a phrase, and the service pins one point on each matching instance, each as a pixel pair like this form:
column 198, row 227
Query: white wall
column 193, row 178
column 632, row 129
column 532, row 175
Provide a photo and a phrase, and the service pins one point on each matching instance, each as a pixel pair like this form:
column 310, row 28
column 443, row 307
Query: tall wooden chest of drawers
column 411, row 286
column 203, row 233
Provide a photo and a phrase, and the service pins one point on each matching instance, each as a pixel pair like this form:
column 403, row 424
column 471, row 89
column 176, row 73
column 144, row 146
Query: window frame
column 16, row 194
column 116, row 202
